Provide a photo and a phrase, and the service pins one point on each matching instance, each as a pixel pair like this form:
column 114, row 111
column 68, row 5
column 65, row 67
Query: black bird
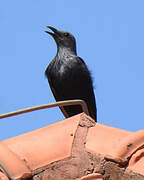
column 68, row 75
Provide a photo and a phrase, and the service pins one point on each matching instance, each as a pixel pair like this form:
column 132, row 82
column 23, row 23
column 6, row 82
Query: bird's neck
column 66, row 51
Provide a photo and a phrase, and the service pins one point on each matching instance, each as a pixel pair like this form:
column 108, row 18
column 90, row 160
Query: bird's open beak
column 54, row 33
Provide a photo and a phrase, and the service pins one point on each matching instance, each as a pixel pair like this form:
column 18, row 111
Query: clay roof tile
column 75, row 147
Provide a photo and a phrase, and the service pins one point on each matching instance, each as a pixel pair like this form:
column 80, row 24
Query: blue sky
column 110, row 39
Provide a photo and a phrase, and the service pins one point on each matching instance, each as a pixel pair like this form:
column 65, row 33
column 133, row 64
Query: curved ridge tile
column 129, row 145
column 102, row 139
column 46, row 145
column 136, row 162
column 114, row 144
column 12, row 165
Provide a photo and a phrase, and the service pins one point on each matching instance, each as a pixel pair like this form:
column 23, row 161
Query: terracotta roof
column 75, row 148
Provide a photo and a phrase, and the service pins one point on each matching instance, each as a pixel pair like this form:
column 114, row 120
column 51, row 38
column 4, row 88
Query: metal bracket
column 45, row 106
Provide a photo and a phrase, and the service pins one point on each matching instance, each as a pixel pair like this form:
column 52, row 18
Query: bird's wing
column 76, row 83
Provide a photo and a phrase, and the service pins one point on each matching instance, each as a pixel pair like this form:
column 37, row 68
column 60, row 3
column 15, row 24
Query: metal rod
column 45, row 106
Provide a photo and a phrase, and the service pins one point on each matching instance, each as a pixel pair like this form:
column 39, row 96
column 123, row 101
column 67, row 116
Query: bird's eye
column 66, row 34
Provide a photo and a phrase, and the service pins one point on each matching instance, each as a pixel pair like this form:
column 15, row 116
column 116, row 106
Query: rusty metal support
column 45, row 106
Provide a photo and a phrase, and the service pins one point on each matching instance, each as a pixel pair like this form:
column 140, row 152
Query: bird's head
column 63, row 39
